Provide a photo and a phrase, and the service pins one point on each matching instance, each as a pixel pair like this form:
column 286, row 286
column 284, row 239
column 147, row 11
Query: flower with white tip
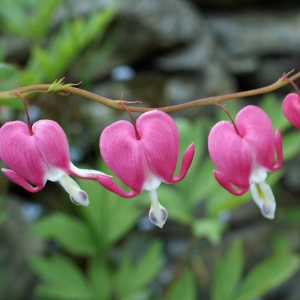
column 142, row 156
column 243, row 154
column 40, row 154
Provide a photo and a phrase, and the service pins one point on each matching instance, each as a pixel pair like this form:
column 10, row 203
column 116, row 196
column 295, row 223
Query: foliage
column 229, row 285
column 50, row 62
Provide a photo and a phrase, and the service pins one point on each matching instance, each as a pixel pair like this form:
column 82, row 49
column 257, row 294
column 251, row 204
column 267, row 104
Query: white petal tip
column 267, row 212
column 160, row 217
column 81, row 198
column 77, row 195
column 264, row 198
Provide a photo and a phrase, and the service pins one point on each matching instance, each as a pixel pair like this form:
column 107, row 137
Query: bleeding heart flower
column 291, row 109
column 142, row 156
column 243, row 154
column 39, row 155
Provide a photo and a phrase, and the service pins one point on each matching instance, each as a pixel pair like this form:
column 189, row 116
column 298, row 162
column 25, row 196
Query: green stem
column 42, row 88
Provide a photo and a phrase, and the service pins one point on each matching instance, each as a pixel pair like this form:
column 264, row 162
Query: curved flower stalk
column 142, row 156
column 39, row 155
column 244, row 154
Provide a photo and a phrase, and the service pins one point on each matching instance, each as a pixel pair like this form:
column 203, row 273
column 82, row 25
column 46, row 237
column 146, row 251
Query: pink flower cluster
column 145, row 154
column 141, row 156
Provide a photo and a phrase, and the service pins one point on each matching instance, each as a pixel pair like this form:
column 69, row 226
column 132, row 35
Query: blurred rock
column 149, row 28
column 256, row 33
column 194, row 57
column 17, row 244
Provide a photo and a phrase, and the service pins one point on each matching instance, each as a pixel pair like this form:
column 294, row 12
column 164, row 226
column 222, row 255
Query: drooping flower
column 142, row 156
column 291, row 109
column 41, row 154
column 244, row 154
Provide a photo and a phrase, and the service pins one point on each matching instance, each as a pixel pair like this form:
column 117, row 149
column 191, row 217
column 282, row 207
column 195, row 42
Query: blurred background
column 214, row 245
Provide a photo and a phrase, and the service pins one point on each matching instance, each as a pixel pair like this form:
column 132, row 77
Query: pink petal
column 186, row 163
column 291, row 108
column 256, row 128
column 17, row 179
column 160, row 142
column 110, row 185
column 20, row 153
column 123, row 154
column 226, row 184
column 54, row 147
column 52, row 143
column 231, row 155
column 278, row 148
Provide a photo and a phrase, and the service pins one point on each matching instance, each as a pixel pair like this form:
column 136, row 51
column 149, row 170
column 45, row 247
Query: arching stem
column 131, row 117
column 222, row 106
column 285, row 77
column 26, row 112
column 43, row 88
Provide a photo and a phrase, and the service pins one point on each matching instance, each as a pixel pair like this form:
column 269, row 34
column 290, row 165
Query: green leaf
column 204, row 182
column 272, row 108
column 6, row 71
column 109, row 216
column 225, row 287
column 62, row 279
column 144, row 271
column 70, row 233
column 291, row 144
column 208, row 228
column 269, row 274
column 12, row 103
column 57, row 86
column 221, row 200
column 175, row 203
column 100, row 278
column 70, row 40
column 40, row 24
column 190, row 133
column 184, row 288
column 3, row 216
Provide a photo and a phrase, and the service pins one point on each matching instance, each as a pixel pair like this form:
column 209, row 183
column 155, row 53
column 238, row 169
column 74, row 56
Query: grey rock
column 148, row 27
column 214, row 80
column 252, row 33
column 241, row 65
column 163, row 23
column 271, row 69
column 194, row 57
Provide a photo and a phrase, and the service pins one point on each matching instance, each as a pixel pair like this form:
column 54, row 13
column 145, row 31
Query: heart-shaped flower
column 142, row 156
column 244, row 153
column 40, row 155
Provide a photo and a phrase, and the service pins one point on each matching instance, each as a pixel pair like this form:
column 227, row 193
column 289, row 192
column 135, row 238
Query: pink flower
column 41, row 156
column 142, row 156
column 244, row 158
column 291, row 109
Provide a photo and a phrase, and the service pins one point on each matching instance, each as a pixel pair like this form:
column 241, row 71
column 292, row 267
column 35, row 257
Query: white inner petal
column 259, row 174
column 85, row 172
column 77, row 195
column 54, row 174
column 157, row 214
column 152, row 182
column 263, row 196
